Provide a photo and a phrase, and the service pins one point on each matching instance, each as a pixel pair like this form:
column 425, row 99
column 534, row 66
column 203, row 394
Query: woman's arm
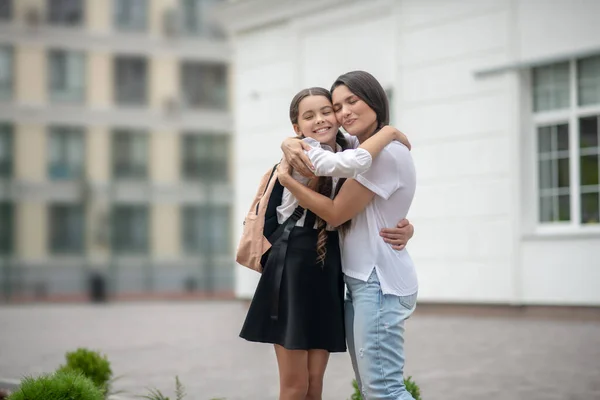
column 349, row 163
column 351, row 200
column 295, row 150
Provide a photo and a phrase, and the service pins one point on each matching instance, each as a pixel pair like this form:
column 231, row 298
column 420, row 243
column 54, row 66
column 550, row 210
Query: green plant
column 356, row 395
column 91, row 364
column 156, row 394
column 63, row 385
column 411, row 387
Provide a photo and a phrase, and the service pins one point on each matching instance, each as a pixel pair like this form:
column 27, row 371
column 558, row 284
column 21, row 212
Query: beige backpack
column 261, row 229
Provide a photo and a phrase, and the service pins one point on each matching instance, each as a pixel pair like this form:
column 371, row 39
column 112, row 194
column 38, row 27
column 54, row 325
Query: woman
column 382, row 283
column 309, row 323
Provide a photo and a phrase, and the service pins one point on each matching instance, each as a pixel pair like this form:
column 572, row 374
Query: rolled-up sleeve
column 343, row 164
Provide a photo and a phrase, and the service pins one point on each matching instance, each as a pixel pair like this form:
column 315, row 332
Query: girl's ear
column 297, row 129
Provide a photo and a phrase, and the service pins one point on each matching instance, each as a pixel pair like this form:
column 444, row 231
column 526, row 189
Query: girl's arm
column 351, row 200
column 295, row 150
column 350, row 163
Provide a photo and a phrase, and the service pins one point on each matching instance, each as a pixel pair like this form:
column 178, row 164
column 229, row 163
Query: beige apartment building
column 114, row 148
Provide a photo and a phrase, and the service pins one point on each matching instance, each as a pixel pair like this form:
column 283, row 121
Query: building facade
column 114, row 147
column 501, row 101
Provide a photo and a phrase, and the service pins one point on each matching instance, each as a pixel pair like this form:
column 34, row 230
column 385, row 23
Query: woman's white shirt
column 392, row 178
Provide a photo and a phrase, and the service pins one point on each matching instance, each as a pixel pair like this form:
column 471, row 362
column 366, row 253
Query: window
column 205, row 157
column 131, row 15
column 6, row 227
column 66, row 226
column 5, row 10
column 390, row 96
column 566, row 104
column 192, row 17
column 66, row 76
column 195, row 18
column 6, row 72
column 553, row 158
column 6, row 150
column 589, row 154
column 588, row 83
column 131, row 80
column 66, row 153
column 130, row 154
column 551, row 87
column 206, row 228
column 65, row 12
column 204, row 85
column 130, row 229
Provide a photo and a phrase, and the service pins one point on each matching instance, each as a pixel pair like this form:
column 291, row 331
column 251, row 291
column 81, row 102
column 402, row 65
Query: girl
column 382, row 283
column 310, row 319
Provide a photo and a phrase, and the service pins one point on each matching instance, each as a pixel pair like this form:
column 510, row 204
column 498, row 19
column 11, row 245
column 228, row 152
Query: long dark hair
column 324, row 183
column 368, row 89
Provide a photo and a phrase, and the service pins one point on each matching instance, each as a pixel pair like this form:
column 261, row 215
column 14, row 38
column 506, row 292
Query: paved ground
column 451, row 357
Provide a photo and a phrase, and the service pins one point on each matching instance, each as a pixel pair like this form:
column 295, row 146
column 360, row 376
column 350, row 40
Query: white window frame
column 129, row 161
column 7, row 83
column 124, row 247
column 130, row 25
column 7, row 132
column 66, row 135
column 571, row 117
column 73, row 247
column 73, row 88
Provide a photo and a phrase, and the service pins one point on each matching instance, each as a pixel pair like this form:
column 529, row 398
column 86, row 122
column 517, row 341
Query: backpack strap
column 277, row 256
column 309, row 221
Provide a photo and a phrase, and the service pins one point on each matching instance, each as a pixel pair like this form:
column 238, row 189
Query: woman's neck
column 364, row 136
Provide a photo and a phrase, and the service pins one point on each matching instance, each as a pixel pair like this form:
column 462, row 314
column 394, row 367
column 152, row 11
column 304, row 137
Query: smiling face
column 316, row 120
column 355, row 116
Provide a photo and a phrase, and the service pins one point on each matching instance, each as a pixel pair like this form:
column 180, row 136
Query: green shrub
column 356, row 395
column 92, row 365
column 64, row 385
column 156, row 394
column 411, row 387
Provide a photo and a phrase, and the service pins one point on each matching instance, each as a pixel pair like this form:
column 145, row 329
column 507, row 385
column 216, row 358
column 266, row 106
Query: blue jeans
column 375, row 334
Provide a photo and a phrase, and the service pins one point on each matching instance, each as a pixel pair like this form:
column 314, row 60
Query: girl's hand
column 284, row 169
column 293, row 151
column 399, row 136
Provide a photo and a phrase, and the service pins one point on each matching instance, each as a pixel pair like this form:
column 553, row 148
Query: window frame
column 9, row 207
column 10, row 7
column 59, row 96
column 10, row 134
column 118, row 98
column 218, row 101
column 209, row 178
column 66, row 133
column 61, row 23
column 571, row 117
column 132, row 134
column 203, row 210
column 117, row 23
column 116, row 242
column 10, row 86
column 71, row 207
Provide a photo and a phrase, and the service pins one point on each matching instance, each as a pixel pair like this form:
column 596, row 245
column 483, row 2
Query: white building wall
column 265, row 78
column 462, row 210
column 474, row 231
column 556, row 267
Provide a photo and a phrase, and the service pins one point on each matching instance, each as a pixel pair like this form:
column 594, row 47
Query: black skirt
column 311, row 298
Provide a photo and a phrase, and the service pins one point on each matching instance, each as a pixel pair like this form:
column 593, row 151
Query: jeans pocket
column 409, row 301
